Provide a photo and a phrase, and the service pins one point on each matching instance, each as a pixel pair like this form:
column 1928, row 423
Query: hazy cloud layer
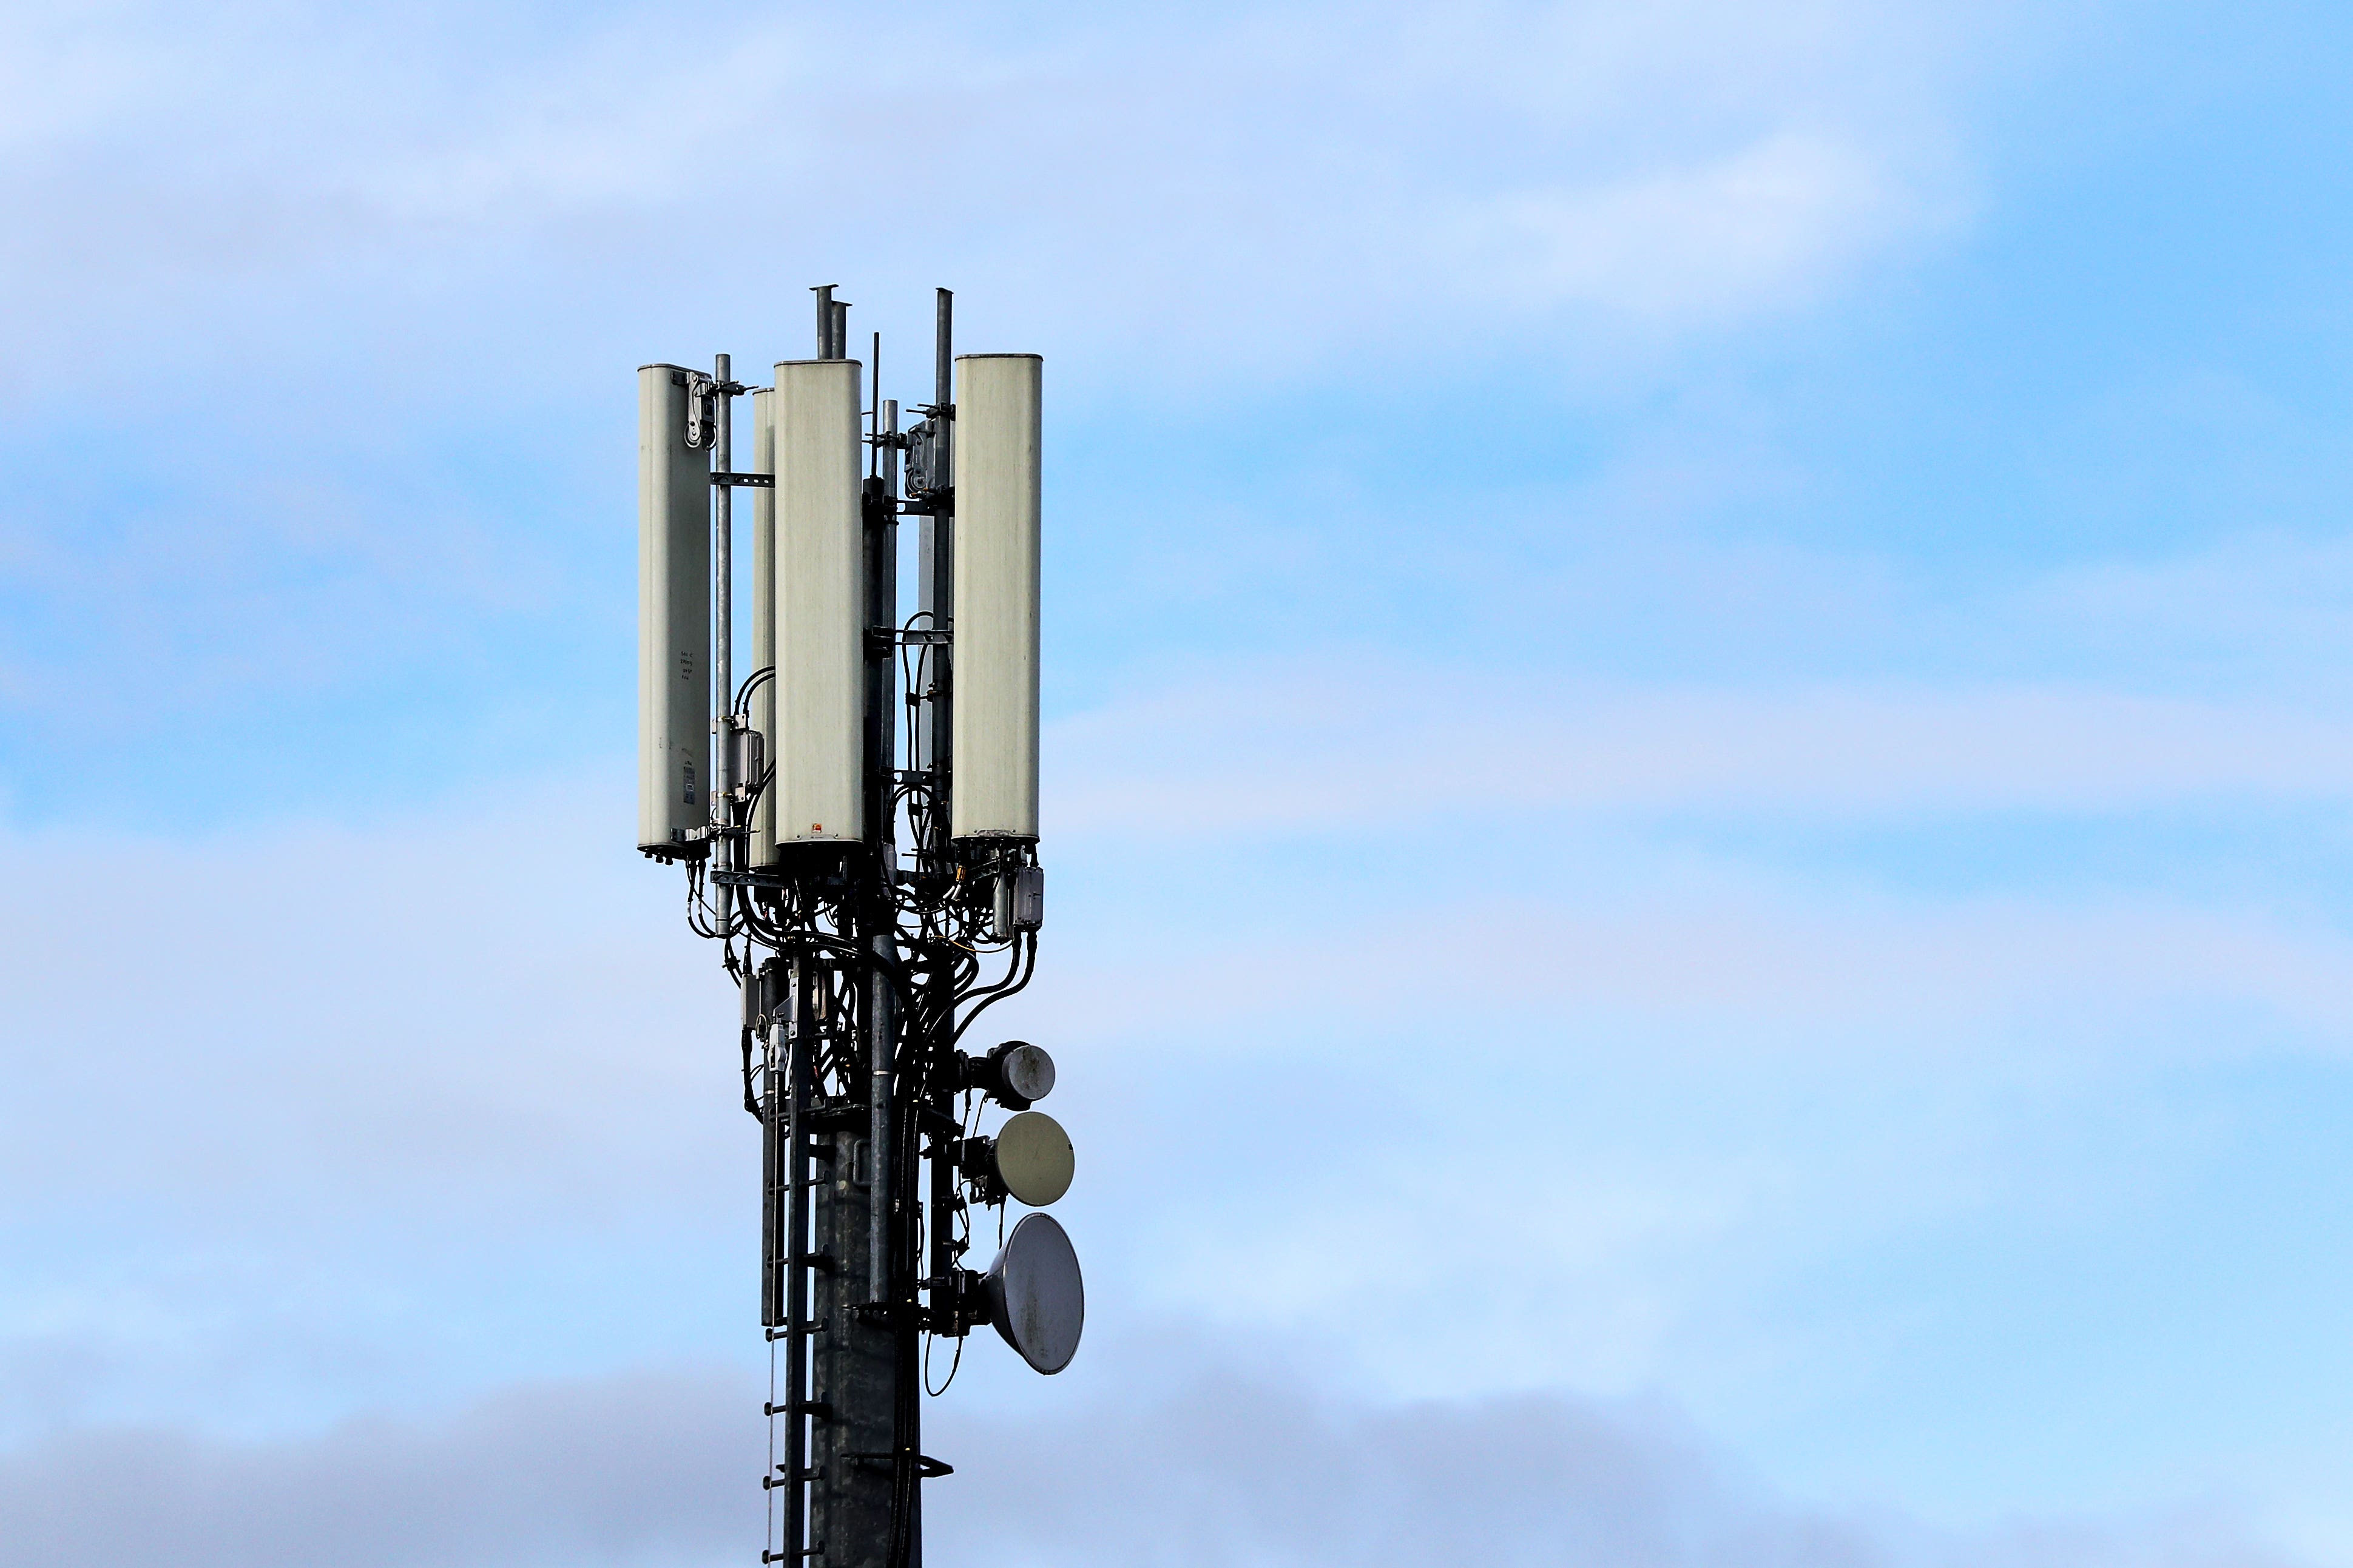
column 651, row 1470
column 1234, row 1471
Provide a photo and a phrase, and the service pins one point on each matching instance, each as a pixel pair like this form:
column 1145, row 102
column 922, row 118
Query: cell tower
column 873, row 884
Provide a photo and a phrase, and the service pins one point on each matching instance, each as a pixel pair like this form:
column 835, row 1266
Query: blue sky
column 1696, row 779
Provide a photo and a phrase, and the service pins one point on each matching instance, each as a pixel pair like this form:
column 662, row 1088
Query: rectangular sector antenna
column 995, row 743
column 673, row 619
column 763, row 847
column 820, row 606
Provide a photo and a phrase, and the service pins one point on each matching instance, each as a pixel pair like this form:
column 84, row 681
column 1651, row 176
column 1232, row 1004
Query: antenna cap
column 1016, row 1074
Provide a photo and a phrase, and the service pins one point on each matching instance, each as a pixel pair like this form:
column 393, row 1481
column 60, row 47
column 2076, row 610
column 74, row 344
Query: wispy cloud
column 513, row 1099
column 1767, row 224
column 1295, row 176
column 1291, row 749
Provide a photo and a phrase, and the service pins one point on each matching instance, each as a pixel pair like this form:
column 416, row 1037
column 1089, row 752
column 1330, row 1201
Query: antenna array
column 858, row 823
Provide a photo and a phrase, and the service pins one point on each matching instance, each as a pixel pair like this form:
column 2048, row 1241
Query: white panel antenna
column 995, row 744
column 819, row 785
column 673, row 614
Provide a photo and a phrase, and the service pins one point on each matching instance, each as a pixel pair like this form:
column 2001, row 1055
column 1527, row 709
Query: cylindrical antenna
column 995, row 740
column 818, row 788
column 824, row 319
column 673, row 617
column 841, row 328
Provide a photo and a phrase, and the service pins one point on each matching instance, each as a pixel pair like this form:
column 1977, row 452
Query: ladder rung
column 814, row 1326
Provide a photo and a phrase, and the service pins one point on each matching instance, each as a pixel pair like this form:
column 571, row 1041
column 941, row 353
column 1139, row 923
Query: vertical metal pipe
column 723, row 637
column 883, row 1020
column 760, row 830
column 942, row 348
column 939, row 576
column 942, row 1260
column 826, row 348
column 882, row 670
column 797, row 1048
column 773, row 1208
column 775, row 1168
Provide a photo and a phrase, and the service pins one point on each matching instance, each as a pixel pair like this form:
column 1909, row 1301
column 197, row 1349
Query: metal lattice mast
column 873, row 888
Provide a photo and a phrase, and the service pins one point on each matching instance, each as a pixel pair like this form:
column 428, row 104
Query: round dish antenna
column 1034, row 1294
column 1032, row 1159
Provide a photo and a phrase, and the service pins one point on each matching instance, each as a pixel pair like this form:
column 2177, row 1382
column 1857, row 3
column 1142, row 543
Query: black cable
column 695, row 908
column 751, row 681
column 991, row 999
column 938, row 930
column 751, row 1102
column 954, row 1362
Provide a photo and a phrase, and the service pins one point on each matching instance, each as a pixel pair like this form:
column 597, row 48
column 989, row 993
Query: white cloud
column 1298, row 183
column 2261, row 610
column 1764, row 225
column 1776, row 970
